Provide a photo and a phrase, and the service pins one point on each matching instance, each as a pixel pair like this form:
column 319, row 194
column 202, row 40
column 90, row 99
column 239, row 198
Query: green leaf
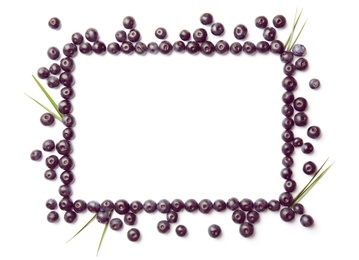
column 48, row 97
column 88, row 223
column 103, row 234
column 314, row 180
column 289, row 44
column 47, row 109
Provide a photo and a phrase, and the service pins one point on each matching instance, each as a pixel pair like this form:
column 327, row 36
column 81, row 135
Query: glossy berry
column 236, row 48
column 172, row 216
column 99, row 47
column 314, row 83
column 165, row 47
column 177, row 205
column 121, row 36
column 65, row 190
column 207, row 48
column 50, row 174
column 289, row 83
column 261, row 22
column 153, row 48
column 79, row 206
column 70, row 49
column 66, row 162
column 193, row 47
column 233, row 203
column 185, row 35
column 288, row 123
column 238, row 216
column 53, row 53
column 298, row 208
column 298, row 50
column 297, row 142
column 222, row 47
column 286, row 173
column 68, row 133
column 129, row 22
column 263, row 46
column 249, row 47
column 134, row 35
column 279, row 21
column 252, row 216
column 287, row 136
column 246, row 229
column 55, row 69
column 93, row 206
column 285, row 198
column 309, row 168
column 206, row 19
column 217, row 29
column 68, row 120
column 54, row 23
column 77, row 38
column 130, row 219
column 289, row 69
column 300, row 104
column 179, row 46
column 141, row 48
column 290, row 185
column 51, row 204
column 288, row 97
column 67, row 177
column 70, row 216
column 133, row 234
column 307, row 148
column 269, row 33
column 103, row 217
column 276, row 47
column 53, row 216
column 114, row 48
column 240, row 32
column 67, row 79
column 163, row 226
column 205, row 206
column 36, row 155
column 214, row 230
column 122, row 206
column 127, row 47
column 43, row 73
column 107, row 205
column 246, row 204
column 260, row 205
column 301, row 119
column 116, row 224
column 306, row 220
column 47, row 119
column 150, row 206
column 287, row 161
column 286, row 56
column 287, row 214
column 191, row 205
column 274, row 205
column 85, row 48
column 181, row 230
column 136, row 206
column 53, row 82
column 66, row 204
column 91, row 34
column 219, row 205
column 287, row 110
column 200, row 35
column 65, row 106
column 287, row 149
column 52, row 161
column 301, row 64
column 161, row 33
column 163, row 206
column 313, row 132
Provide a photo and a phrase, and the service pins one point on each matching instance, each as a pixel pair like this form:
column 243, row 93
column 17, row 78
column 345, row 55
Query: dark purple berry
column 298, row 208
column 205, row 206
column 287, row 161
column 287, row 149
column 68, row 133
column 141, row 48
column 287, row 214
column 65, row 190
column 290, row 185
column 53, row 82
column 134, row 35
column 191, row 205
column 52, row 161
column 301, row 119
column 314, row 83
column 53, row 53
column 116, row 224
column 66, row 163
column 306, row 220
column 93, row 206
column 55, row 69
column 65, row 106
column 200, row 35
column 309, row 168
column 68, row 120
column 238, row 216
column 289, row 83
column 287, row 136
column 307, row 148
column 85, row 48
column 50, row 174
column 206, row 19
column 207, row 48
column 114, row 48
column 219, row 205
column 185, row 35
column 298, row 50
column 67, row 93
column 130, row 218
column 77, row 38
column 67, row 79
column 269, row 33
column 172, row 216
column 273, row 205
column 260, row 205
column 36, row 155
column 129, row 22
column 79, row 206
column 249, row 47
column 301, row 64
column 222, row 47
column 193, row 47
column 289, row 69
column 99, row 47
column 66, row 204
column 300, row 104
column 67, row 177
column 163, row 206
column 165, row 47
column 214, row 230
column 246, row 229
column 163, row 226
column 263, row 46
column 285, row 198
column 153, row 48
column 54, row 23
column 103, row 217
column 240, row 32
column 288, row 97
column 107, row 205
column 261, row 22
column 286, row 56
column 252, row 216
column 179, row 46
column 121, row 36
column 64, row 147
column 233, row 203
column 161, row 33
column 150, row 206
column 122, row 206
column 313, row 132
column 133, row 234
column 287, row 110
column 181, row 230
column 177, row 205
column 53, row 216
column 136, row 206
column 288, row 123
column 91, row 34
column 286, row 173
column 70, row 49
column 279, row 21
column 43, row 73
column 297, row 142
column 235, row 48
column 51, row 204
column 217, row 29
column 127, row 47
column 47, row 119
column 246, row 204
column 276, row 47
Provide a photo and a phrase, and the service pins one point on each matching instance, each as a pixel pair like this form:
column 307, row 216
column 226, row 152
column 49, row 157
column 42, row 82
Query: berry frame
column 289, row 83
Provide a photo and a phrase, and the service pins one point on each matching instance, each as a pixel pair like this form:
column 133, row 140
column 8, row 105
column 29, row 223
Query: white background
column 184, row 126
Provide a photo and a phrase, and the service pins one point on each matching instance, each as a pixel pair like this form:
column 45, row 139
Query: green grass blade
column 103, row 235
column 291, row 33
column 48, row 97
column 47, row 109
column 290, row 47
column 88, row 223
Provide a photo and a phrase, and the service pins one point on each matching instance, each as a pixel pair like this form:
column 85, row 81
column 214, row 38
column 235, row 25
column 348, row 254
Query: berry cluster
column 245, row 212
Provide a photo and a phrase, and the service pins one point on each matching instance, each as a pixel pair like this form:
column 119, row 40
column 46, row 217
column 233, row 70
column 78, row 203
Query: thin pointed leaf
column 103, row 235
column 291, row 33
column 48, row 97
column 298, row 35
column 47, row 109
column 88, row 223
